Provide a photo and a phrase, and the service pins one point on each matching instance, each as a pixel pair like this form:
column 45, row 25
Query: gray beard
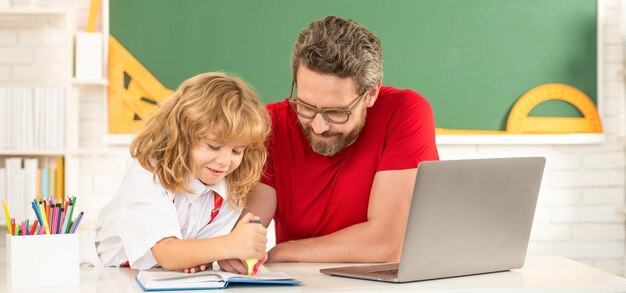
column 341, row 141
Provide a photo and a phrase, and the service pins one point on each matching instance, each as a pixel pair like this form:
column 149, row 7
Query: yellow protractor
column 131, row 105
column 519, row 122
column 451, row 131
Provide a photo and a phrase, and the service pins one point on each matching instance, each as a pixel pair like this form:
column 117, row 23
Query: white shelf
column 31, row 10
column 521, row 139
column 70, row 106
column 76, row 152
column 118, row 139
column 95, row 82
column 458, row 139
column 88, row 152
column 23, row 152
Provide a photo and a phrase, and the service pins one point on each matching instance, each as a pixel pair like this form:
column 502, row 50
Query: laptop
column 467, row 217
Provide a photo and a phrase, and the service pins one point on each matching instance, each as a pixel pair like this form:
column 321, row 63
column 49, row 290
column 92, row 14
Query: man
column 343, row 153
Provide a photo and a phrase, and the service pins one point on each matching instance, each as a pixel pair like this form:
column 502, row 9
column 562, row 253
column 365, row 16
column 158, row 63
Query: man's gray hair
column 339, row 47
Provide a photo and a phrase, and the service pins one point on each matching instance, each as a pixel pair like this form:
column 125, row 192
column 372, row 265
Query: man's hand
column 239, row 267
column 233, row 266
column 278, row 253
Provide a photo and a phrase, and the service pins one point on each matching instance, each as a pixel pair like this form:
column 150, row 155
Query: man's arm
column 379, row 239
column 261, row 201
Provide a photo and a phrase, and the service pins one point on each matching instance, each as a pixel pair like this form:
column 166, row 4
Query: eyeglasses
column 332, row 115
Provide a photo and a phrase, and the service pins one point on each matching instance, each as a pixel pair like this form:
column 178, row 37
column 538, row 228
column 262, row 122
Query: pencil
column 54, row 212
column 61, row 220
column 80, row 216
column 72, row 205
column 49, row 212
column 36, row 209
column 8, row 215
column 34, row 228
column 66, row 221
column 44, row 217
column 60, row 210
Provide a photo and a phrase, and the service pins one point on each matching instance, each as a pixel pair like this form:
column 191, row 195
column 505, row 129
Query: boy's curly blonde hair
column 215, row 103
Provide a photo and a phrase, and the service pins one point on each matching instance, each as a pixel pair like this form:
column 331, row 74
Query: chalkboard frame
column 599, row 67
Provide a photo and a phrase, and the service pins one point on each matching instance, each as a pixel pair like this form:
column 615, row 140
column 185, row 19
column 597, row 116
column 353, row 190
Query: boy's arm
column 261, row 201
column 245, row 241
column 177, row 254
column 379, row 239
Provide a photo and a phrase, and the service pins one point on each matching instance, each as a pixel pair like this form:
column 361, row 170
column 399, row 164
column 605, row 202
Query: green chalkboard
column 472, row 59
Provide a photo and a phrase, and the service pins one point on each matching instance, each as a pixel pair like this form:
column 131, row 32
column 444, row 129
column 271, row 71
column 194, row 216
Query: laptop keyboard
column 392, row 273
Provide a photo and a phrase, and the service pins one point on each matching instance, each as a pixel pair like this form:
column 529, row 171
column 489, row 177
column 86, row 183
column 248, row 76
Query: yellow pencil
column 8, row 215
column 45, row 218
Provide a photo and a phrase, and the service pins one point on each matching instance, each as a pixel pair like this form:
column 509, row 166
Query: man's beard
column 340, row 140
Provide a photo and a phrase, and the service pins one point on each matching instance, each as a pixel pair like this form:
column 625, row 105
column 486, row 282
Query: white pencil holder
column 42, row 260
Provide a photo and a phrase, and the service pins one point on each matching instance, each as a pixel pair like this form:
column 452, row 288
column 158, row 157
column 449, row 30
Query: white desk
column 540, row 274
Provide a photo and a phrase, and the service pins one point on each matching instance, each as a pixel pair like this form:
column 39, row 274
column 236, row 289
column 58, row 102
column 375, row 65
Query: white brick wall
column 559, row 197
column 583, row 188
column 100, row 175
column 598, row 232
column 33, row 49
column 49, row 37
column 5, row 73
column 14, row 55
column 551, row 232
column 609, row 195
column 586, row 214
column 586, row 249
column 584, row 178
column 39, row 73
column 8, row 37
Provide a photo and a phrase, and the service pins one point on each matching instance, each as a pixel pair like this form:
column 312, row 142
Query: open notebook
column 162, row 280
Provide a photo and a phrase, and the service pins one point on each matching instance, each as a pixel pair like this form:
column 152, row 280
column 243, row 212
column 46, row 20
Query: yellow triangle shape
column 141, row 98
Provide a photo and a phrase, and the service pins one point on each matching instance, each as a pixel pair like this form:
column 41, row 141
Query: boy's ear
column 373, row 94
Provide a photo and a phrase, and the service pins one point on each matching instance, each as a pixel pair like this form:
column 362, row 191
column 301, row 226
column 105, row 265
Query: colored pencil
column 8, row 216
column 80, row 216
column 34, row 228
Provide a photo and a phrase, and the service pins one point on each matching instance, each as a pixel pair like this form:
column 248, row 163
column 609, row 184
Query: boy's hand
column 248, row 240
column 199, row 268
column 259, row 263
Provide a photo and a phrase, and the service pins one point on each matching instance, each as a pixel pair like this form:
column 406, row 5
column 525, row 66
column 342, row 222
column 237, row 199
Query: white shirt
column 143, row 212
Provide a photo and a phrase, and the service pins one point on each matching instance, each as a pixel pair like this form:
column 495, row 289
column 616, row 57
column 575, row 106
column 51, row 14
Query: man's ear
column 373, row 94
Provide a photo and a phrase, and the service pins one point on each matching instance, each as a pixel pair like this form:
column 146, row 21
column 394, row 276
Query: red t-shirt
column 318, row 195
